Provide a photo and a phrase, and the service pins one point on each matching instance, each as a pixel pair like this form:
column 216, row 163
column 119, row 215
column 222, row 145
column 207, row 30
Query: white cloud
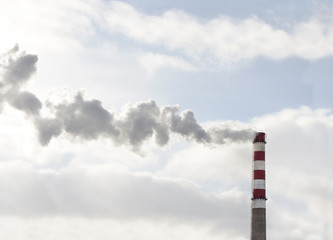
column 73, row 41
column 225, row 163
column 41, row 24
column 204, row 189
column 222, row 38
column 153, row 62
column 108, row 192
column 69, row 228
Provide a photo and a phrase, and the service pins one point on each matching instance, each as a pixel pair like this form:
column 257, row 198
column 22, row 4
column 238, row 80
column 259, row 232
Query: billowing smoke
column 18, row 68
column 88, row 119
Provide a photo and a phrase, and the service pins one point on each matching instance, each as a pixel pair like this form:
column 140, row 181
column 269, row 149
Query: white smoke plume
column 88, row 119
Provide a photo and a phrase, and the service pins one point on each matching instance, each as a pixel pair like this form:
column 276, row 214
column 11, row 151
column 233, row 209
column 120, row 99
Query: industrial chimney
column 258, row 219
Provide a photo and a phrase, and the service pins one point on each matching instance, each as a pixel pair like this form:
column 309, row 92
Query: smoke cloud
column 25, row 101
column 87, row 118
column 18, row 67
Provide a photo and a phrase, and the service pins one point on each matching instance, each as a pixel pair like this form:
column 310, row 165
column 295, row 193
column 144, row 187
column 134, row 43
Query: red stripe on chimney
column 259, row 174
column 259, row 155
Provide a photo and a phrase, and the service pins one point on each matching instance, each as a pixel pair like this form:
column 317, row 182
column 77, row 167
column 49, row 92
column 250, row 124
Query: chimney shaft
column 258, row 219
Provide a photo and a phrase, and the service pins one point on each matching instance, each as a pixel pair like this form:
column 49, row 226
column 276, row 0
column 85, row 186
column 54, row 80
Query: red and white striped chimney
column 258, row 224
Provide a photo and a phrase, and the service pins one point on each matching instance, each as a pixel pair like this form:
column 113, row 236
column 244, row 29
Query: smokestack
column 258, row 221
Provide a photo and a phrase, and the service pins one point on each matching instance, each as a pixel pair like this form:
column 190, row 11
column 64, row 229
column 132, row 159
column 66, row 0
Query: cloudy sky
column 133, row 120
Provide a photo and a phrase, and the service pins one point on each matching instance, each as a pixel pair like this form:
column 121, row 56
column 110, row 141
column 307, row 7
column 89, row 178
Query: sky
column 134, row 119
